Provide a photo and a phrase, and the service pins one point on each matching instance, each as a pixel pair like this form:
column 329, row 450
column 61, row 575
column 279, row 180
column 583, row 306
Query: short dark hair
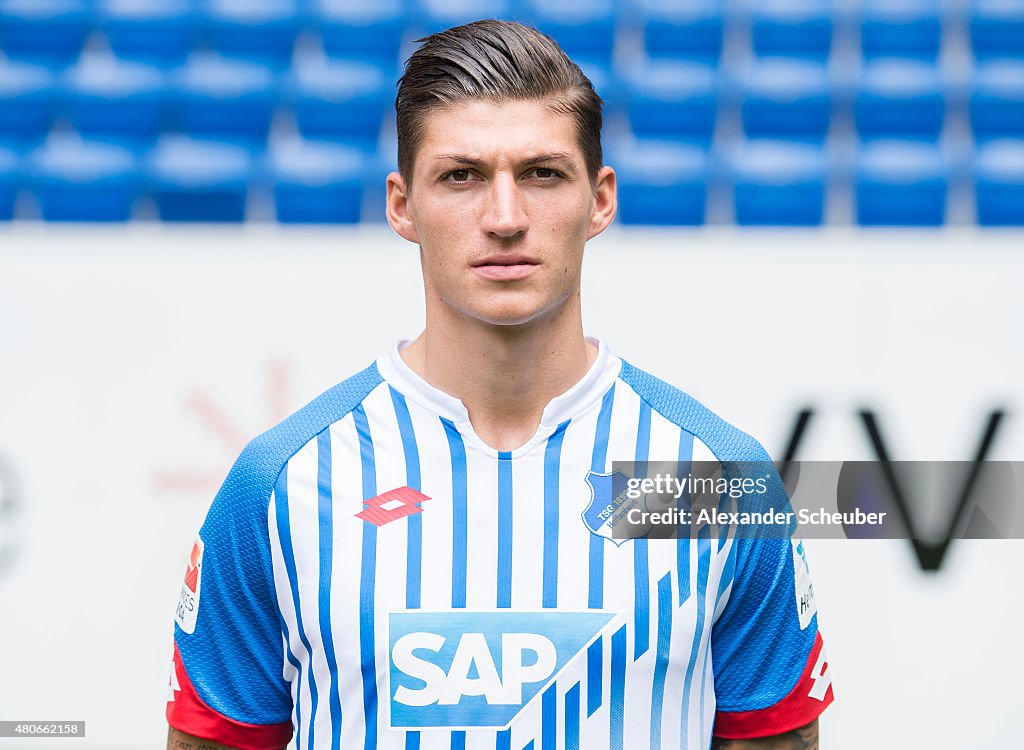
column 497, row 61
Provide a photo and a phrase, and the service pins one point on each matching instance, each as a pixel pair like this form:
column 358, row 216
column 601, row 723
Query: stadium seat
column 10, row 175
column 997, row 100
column 778, row 183
column 110, row 99
column 341, row 101
column 999, row 183
column 316, row 183
column 899, row 99
column 584, row 29
column 192, row 180
column 47, row 32
column 212, row 97
column 901, row 28
column 157, row 32
column 997, row 28
column 377, row 167
column 672, row 100
column 900, row 183
column 660, row 182
column 360, row 30
column 786, row 98
column 609, row 86
column 435, row 15
column 262, row 31
column 75, row 180
column 792, row 28
column 27, row 102
column 691, row 31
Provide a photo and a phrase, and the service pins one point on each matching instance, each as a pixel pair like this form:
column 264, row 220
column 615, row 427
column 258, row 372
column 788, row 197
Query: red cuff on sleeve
column 187, row 713
column 812, row 694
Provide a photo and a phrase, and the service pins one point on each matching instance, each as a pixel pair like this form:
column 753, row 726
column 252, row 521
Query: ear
column 397, row 208
column 606, row 201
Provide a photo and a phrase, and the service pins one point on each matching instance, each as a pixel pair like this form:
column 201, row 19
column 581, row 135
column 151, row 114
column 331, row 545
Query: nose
column 504, row 213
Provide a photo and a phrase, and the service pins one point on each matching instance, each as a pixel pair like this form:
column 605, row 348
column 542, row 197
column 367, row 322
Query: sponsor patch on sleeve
column 805, row 604
column 188, row 602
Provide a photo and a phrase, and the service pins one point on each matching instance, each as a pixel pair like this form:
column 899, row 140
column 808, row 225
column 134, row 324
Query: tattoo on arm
column 804, row 738
column 177, row 740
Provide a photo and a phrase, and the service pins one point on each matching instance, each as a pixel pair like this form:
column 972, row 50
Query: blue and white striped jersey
column 373, row 575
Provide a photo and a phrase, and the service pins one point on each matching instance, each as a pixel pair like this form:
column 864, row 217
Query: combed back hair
column 496, row 61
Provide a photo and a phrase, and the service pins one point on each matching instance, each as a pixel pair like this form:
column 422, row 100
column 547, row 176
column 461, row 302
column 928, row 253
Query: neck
column 504, row 375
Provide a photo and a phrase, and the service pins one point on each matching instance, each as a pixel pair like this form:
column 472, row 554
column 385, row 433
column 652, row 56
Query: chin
column 506, row 317
column 512, row 313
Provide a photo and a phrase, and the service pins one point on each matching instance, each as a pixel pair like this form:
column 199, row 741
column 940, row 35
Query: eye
column 546, row 173
column 459, row 176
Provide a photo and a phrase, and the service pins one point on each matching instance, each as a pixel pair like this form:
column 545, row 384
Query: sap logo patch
column 188, row 601
column 466, row 669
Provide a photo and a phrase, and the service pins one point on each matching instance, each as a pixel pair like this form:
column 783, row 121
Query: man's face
column 501, row 205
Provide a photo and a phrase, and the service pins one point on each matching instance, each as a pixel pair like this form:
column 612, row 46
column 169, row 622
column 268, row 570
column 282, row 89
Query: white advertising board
column 135, row 363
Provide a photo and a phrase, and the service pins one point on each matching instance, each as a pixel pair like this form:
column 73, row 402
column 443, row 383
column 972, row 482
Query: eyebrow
column 563, row 158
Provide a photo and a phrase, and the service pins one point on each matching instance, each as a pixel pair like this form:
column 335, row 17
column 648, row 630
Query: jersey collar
column 578, row 399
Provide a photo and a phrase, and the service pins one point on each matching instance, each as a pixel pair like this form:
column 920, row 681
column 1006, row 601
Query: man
column 407, row 561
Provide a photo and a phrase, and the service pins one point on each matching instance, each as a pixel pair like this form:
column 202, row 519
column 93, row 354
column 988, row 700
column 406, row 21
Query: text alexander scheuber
column 735, row 487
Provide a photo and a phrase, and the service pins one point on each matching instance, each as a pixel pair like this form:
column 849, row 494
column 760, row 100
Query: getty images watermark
column 815, row 499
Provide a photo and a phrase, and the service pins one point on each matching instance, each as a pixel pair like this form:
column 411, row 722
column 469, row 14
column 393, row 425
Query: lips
column 506, row 267
column 507, row 260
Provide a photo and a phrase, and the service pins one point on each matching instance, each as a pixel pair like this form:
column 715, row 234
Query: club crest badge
column 610, row 503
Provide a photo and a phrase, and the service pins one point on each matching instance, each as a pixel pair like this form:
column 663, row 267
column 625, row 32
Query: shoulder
column 725, row 441
column 257, row 468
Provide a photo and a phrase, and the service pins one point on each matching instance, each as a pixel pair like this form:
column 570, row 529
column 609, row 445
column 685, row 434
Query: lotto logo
column 478, row 670
column 392, row 505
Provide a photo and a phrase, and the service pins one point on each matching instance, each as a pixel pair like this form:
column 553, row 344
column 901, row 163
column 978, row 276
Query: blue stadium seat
column 262, row 31
column 997, row 28
column 778, row 183
column 900, row 99
column 660, row 183
column 901, row 183
column 378, row 165
column 10, row 175
column 157, row 32
column 110, row 99
column 360, row 29
column 608, row 85
column 901, row 28
column 75, row 180
column 792, row 28
column 341, row 101
column 999, row 183
column 997, row 100
column 193, row 180
column 672, row 100
column 316, row 183
column 691, row 31
column 47, row 32
column 27, row 102
column 435, row 15
column 584, row 29
column 232, row 100
column 786, row 98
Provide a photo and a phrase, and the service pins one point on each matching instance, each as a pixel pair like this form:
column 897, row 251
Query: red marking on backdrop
column 218, row 423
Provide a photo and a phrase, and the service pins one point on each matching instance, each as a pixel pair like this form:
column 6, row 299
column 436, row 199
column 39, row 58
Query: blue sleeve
column 758, row 646
column 230, row 638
